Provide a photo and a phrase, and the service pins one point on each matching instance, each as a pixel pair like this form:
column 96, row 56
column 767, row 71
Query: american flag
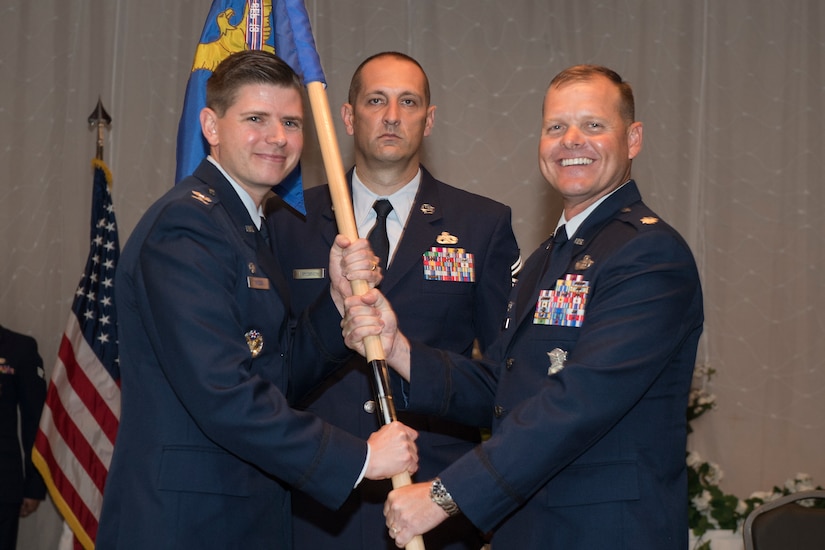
column 73, row 447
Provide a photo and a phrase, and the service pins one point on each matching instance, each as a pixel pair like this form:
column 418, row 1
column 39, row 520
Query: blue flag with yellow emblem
column 278, row 26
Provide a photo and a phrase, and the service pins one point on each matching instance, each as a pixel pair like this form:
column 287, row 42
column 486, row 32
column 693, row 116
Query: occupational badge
column 446, row 238
column 255, row 341
column 557, row 358
column 427, row 208
column 585, row 262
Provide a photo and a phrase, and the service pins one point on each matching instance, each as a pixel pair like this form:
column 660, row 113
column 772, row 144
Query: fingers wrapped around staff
column 359, row 263
column 354, row 261
column 362, row 319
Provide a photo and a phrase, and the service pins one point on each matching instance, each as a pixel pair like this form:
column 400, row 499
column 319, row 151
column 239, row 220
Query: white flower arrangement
column 708, row 506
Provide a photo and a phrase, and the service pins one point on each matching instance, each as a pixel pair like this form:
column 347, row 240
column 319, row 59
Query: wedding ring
column 374, row 265
column 393, row 531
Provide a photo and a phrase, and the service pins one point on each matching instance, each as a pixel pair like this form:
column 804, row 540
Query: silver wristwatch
column 439, row 495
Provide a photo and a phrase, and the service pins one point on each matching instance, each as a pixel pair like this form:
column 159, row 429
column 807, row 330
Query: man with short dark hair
column 208, row 444
column 447, row 259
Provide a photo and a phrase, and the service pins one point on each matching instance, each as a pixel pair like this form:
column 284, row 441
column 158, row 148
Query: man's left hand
column 409, row 511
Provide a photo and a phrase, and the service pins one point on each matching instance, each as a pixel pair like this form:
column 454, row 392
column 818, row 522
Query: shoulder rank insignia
column 585, row 262
column 427, row 208
column 446, row 238
column 198, row 196
column 649, row 220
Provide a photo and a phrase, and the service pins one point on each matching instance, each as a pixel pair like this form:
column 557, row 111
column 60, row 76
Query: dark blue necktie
column 379, row 241
column 560, row 236
column 264, row 231
column 557, row 259
column 541, row 279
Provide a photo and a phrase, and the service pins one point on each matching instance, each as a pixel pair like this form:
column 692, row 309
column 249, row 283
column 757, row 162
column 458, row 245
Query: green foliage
column 709, row 507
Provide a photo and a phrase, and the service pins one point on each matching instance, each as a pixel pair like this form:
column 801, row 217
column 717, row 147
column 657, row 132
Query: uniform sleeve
column 496, row 280
column 32, row 393
column 646, row 305
column 190, row 272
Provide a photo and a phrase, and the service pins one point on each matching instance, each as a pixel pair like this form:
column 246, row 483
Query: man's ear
column 209, row 126
column 430, row 120
column 634, row 139
column 346, row 116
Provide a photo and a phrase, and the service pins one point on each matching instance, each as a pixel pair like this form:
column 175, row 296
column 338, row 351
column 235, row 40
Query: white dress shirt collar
column 572, row 225
column 255, row 212
column 402, row 201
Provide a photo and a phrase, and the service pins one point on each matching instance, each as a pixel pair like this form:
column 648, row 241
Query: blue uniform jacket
column 445, row 314
column 207, row 443
column 588, row 453
column 23, row 388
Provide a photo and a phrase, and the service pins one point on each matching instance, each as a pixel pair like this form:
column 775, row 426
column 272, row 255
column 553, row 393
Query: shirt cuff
column 364, row 469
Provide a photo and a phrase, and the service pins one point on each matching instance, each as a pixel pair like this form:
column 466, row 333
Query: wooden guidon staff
column 344, row 216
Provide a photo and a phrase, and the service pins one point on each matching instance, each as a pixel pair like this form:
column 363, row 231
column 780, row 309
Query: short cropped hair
column 580, row 73
column 355, row 83
column 247, row 67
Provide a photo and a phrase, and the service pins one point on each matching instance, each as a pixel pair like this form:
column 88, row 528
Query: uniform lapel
column 329, row 229
column 559, row 262
column 246, row 230
column 527, row 285
column 419, row 233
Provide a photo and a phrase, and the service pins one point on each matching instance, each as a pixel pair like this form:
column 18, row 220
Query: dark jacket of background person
column 23, row 388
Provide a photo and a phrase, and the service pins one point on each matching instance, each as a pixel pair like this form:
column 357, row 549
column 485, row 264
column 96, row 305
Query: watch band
column 440, row 495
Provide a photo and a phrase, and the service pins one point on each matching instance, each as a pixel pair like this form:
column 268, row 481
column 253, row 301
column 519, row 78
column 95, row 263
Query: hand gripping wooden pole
column 344, row 216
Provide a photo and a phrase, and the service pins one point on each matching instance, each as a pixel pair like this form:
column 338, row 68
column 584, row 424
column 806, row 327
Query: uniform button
column 509, row 363
column 499, row 411
column 369, row 406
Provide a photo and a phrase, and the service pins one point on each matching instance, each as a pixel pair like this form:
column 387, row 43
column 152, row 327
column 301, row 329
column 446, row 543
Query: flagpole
column 345, row 217
column 85, row 376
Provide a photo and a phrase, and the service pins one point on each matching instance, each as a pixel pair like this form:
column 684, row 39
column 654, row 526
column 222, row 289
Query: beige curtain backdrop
column 732, row 94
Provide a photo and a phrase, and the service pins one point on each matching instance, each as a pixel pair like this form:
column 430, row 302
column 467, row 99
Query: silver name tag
column 317, row 273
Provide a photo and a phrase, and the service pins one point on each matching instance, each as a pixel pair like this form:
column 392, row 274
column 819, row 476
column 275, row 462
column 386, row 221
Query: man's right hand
column 371, row 314
column 392, row 451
